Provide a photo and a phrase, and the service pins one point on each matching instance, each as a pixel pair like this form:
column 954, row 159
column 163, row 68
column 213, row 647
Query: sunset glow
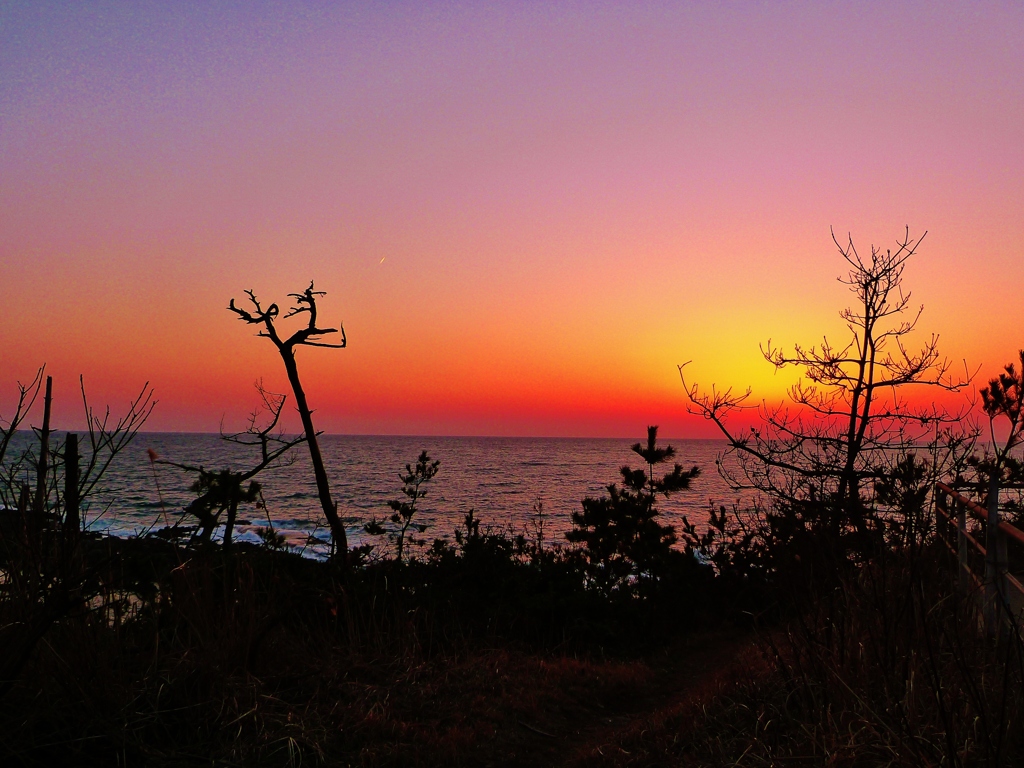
column 526, row 215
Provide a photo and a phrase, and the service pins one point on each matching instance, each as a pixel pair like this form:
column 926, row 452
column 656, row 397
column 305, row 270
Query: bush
column 625, row 548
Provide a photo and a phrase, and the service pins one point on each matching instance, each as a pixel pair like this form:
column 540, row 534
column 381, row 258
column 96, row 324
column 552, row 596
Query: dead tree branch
column 848, row 419
column 310, row 336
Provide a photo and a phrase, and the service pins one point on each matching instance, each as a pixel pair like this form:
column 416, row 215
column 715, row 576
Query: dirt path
column 586, row 728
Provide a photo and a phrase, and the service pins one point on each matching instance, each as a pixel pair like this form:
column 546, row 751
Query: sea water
column 505, row 481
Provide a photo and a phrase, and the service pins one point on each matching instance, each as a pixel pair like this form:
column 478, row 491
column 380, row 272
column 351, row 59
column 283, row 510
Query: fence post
column 995, row 562
column 44, row 454
column 941, row 531
column 72, row 518
column 962, row 555
column 24, row 520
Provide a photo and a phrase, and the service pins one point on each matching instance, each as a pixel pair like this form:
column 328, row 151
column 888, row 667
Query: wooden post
column 945, row 519
column 995, row 562
column 44, row 454
column 962, row 555
column 1003, row 586
column 72, row 517
column 229, row 525
column 23, row 519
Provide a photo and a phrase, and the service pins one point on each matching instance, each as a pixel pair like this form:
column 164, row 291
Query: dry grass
column 258, row 659
column 263, row 660
column 888, row 670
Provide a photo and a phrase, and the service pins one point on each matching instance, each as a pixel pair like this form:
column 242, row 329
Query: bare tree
column 108, row 437
column 848, row 420
column 309, row 336
column 414, row 483
column 1004, row 396
column 27, row 394
column 43, row 578
column 223, row 490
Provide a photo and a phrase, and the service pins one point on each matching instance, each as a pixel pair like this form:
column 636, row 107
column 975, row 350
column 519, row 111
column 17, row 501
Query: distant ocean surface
column 500, row 478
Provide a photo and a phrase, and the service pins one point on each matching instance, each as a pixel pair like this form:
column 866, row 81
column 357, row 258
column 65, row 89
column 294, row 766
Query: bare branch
column 271, row 445
column 311, row 335
column 27, row 394
column 107, row 440
column 849, row 417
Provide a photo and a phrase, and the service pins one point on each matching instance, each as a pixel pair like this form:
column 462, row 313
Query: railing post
column 24, row 520
column 44, row 453
column 942, row 531
column 72, row 519
column 995, row 562
column 962, row 555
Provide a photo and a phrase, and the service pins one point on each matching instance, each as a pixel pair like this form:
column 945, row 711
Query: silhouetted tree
column 622, row 538
column 309, row 336
column 1004, row 397
column 105, row 438
column 1003, row 403
column 44, row 578
column 219, row 491
column 10, row 484
column 222, row 491
column 850, row 424
column 108, row 436
column 413, row 486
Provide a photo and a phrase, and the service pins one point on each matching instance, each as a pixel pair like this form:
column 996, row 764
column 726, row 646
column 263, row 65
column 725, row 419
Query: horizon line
column 400, row 435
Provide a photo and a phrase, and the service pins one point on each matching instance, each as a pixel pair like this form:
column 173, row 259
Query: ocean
column 503, row 480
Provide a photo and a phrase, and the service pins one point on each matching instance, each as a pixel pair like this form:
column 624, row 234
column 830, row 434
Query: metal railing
column 983, row 569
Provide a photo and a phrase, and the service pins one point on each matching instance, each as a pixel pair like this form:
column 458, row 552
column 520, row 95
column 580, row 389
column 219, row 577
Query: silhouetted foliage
column 413, row 486
column 903, row 491
column 222, row 491
column 45, row 576
column 308, row 336
column 106, row 437
column 1003, row 403
column 850, row 427
column 12, row 469
column 623, row 542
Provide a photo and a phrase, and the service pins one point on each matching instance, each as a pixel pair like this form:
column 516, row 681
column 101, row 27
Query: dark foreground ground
column 256, row 658
column 494, row 708
column 140, row 653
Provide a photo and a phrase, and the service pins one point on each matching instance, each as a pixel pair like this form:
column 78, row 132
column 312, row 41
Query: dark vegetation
column 820, row 627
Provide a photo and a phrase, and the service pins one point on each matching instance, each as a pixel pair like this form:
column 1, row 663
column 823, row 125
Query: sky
column 526, row 215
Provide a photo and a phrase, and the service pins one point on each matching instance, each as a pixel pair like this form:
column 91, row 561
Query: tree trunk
column 322, row 485
column 229, row 525
column 995, row 559
column 44, row 454
column 72, row 518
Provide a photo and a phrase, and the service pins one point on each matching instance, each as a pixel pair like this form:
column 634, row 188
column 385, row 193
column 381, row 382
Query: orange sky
column 569, row 199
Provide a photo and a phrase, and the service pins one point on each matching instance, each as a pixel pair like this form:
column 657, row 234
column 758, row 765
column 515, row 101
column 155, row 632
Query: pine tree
column 624, row 544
